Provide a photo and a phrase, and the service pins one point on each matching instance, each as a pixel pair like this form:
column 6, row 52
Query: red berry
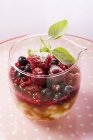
column 55, row 69
column 38, row 71
column 36, row 80
column 42, row 60
column 17, row 64
column 25, row 84
column 56, row 87
column 32, row 89
column 62, row 66
column 37, row 96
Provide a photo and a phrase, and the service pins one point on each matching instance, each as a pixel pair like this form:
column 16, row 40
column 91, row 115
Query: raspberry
column 54, row 70
column 42, row 60
column 17, row 64
column 25, row 84
column 75, row 69
column 38, row 71
column 34, row 60
column 17, row 81
column 36, row 80
column 56, row 87
column 24, row 98
column 62, row 66
column 33, row 88
column 37, row 96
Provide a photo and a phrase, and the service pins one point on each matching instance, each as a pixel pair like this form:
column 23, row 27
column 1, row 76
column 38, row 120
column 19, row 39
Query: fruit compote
column 43, row 87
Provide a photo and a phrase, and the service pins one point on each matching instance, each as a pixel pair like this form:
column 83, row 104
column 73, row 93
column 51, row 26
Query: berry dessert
column 45, row 83
column 47, row 92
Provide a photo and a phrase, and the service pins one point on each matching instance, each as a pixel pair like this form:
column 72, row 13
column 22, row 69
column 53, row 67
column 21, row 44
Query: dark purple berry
column 28, row 68
column 15, row 72
column 20, row 75
column 44, row 91
column 54, row 62
column 57, row 96
column 67, row 90
column 22, row 61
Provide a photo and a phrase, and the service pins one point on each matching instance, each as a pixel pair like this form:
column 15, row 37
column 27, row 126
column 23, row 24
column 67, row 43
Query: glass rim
column 32, row 75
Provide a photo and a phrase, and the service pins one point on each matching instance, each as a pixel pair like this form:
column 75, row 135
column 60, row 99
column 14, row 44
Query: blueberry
column 22, row 61
column 63, row 85
column 46, row 94
column 54, row 62
column 44, row 91
column 28, row 68
column 20, row 75
column 67, row 90
column 15, row 72
column 57, row 96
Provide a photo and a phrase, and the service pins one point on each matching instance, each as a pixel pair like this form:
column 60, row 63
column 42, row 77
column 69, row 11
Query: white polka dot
column 1, row 117
column 90, row 115
column 85, row 99
column 60, row 136
column 59, row 127
column 47, row 128
column 92, row 124
column 79, row 116
column 10, row 106
column 88, row 107
column 89, row 76
column 36, row 129
column 86, row 70
column 70, row 126
column 23, row 122
column 84, row 133
column 1, row 125
column 13, row 133
column 81, row 124
column 37, row 138
column 11, row 115
column 12, row 123
column 91, row 57
column 26, row 139
column 24, row 131
column 83, row 91
column 91, row 83
column 49, row 137
column 72, row 135
column 68, row 117
column 77, row 108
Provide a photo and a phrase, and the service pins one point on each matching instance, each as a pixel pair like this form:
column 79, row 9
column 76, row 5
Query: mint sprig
column 58, row 29
column 44, row 47
column 63, row 56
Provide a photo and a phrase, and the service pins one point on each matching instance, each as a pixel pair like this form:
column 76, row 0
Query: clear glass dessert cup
column 44, row 97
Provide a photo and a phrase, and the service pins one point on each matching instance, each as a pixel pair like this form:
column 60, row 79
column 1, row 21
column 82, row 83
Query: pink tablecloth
column 76, row 125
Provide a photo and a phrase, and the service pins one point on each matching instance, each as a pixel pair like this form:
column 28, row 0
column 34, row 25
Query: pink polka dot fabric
column 76, row 125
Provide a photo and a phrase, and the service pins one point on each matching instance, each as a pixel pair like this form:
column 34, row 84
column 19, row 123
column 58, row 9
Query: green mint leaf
column 29, row 52
column 58, row 29
column 44, row 47
column 63, row 56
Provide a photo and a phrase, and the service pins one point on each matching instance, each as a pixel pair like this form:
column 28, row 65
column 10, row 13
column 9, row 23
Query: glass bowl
column 43, row 97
